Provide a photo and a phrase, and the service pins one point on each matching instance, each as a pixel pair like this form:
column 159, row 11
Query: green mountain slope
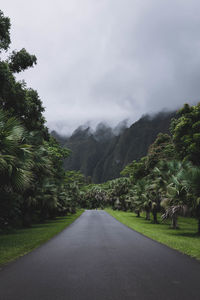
column 102, row 154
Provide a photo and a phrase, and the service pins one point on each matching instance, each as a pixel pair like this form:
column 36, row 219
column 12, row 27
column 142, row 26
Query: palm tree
column 139, row 197
column 15, row 166
column 120, row 188
column 192, row 182
column 47, row 200
column 175, row 199
column 42, row 171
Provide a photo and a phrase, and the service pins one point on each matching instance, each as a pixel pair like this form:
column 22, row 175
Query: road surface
column 98, row 258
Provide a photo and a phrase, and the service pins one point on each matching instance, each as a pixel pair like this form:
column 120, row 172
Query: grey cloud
column 109, row 60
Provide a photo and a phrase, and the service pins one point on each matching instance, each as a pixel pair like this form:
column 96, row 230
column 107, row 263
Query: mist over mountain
column 102, row 153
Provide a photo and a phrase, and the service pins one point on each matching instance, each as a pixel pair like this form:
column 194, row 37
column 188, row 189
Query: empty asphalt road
column 98, row 258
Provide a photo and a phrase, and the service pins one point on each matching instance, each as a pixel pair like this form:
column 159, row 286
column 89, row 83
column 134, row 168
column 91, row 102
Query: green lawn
column 22, row 241
column 183, row 239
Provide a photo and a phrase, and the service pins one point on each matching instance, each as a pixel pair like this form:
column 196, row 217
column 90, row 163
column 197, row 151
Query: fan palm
column 175, row 199
column 119, row 188
column 192, row 182
column 139, row 197
column 15, row 164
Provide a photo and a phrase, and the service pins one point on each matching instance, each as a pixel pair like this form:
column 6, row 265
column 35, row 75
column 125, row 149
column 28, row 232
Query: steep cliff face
column 103, row 154
column 131, row 145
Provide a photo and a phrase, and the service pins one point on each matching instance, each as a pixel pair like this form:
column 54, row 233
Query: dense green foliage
column 34, row 185
column 186, row 133
column 160, row 181
column 4, row 32
column 21, row 60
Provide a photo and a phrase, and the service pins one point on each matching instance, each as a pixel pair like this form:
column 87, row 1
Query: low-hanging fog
column 108, row 60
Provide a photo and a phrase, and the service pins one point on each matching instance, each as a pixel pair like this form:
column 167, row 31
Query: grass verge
column 22, row 241
column 184, row 239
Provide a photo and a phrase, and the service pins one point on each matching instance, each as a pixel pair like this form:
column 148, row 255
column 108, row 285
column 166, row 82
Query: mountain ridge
column 102, row 155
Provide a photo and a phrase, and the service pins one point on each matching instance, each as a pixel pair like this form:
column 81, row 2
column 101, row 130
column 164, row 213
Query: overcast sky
column 108, row 60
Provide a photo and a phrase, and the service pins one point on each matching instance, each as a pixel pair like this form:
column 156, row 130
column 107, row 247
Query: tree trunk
column 26, row 219
column 147, row 215
column 138, row 214
column 43, row 214
column 198, row 218
column 52, row 214
column 174, row 222
column 199, row 226
column 26, row 215
column 155, row 220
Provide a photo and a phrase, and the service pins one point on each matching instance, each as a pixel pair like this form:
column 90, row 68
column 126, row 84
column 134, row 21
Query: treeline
column 166, row 180
column 33, row 183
